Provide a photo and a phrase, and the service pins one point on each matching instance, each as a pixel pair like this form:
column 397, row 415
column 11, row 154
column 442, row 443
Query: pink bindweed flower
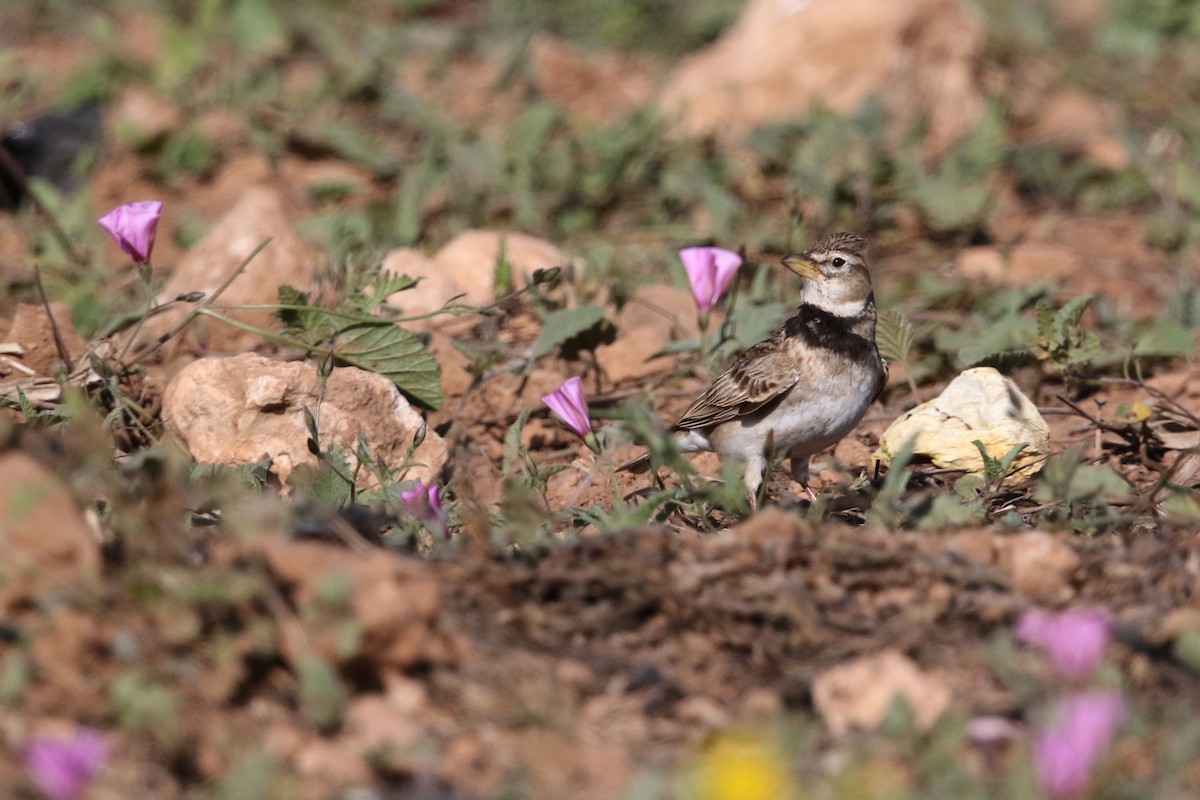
column 709, row 271
column 63, row 768
column 134, row 226
column 1079, row 734
column 568, row 404
column 1074, row 639
column 424, row 503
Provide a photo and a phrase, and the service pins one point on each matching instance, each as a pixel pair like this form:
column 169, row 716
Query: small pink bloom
column 63, row 768
column 422, row 501
column 134, row 226
column 568, row 403
column 1079, row 734
column 709, row 271
column 1074, row 639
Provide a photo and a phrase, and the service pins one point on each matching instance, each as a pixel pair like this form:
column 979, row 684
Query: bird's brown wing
column 760, row 375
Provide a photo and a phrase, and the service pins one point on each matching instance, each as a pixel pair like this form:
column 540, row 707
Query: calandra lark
column 806, row 385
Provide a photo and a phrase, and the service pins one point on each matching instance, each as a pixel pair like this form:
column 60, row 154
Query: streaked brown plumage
column 805, row 386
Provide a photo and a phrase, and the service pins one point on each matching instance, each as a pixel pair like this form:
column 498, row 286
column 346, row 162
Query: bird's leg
column 799, row 470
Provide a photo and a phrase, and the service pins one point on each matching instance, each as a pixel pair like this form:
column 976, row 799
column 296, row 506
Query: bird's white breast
column 815, row 414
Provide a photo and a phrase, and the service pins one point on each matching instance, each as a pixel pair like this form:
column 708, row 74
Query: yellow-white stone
column 980, row 404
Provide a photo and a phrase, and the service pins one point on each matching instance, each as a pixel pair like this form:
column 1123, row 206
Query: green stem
column 203, row 304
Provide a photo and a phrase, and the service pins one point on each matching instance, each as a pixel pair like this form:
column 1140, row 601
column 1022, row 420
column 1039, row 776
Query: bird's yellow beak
column 802, row 267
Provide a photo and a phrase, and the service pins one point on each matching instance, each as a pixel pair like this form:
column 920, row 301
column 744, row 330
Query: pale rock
column 142, row 117
column 977, row 544
column 858, row 693
column 286, row 260
column 1038, row 565
column 781, row 58
column 32, row 329
column 1107, row 151
column 45, row 545
column 466, row 266
column 469, row 259
column 1040, row 261
column 1071, row 120
column 395, row 602
column 598, row 86
column 433, row 290
column 652, row 318
column 331, row 761
column 979, row 404
column 981, row 263
column 373, row 723
column 237, row 409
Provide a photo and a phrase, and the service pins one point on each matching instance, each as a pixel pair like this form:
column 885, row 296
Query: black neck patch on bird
column 819, row 328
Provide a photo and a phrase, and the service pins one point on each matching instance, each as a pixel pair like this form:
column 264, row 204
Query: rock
column 982, row 263
column 394, row 602
column 780, row 58
column 237, row 409
column 332, row 763
column 652, row 318
column 1040, row 261
column 977, row 544
column 467, row 266
column 979, row 404
column 373, row 723
column 597, row 86
column 434, row 288
column 31, row 329
column 1038, row 565
column 859, row 693
column 469, row 259
column 44, row 543
column 286, row 260
column 143, row 117
column 1075, row 122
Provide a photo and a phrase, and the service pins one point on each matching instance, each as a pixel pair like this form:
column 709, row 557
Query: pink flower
column 1065, row 751
column 424, row 503
column 1074, row 639
column 134, row 226
column 569, row 405
column 709, row 271
column 63, row 768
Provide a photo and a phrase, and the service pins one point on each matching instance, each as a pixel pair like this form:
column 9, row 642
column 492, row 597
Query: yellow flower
column 742, row 766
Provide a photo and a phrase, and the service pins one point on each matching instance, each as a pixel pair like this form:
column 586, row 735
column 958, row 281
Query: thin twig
column 203, row 304
column 58, row 340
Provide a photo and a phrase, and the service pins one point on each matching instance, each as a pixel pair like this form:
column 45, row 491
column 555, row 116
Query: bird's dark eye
column 839, row 262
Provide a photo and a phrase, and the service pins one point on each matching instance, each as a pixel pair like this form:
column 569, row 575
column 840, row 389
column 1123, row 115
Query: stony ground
column 238, row 635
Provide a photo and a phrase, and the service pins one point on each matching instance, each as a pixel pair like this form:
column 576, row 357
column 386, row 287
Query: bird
column 804, row 387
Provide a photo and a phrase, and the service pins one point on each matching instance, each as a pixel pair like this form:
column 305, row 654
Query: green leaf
column 1165, row 337
column 396, row 354
column 895, row 336
column 291, row 317
column 995, row 469
column 257, row 28
column 559, row 326
column 322, row 694
column 330, row 487
column 512, row 442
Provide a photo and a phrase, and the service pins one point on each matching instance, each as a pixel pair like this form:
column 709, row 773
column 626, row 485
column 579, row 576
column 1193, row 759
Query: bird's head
column 835, row 273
